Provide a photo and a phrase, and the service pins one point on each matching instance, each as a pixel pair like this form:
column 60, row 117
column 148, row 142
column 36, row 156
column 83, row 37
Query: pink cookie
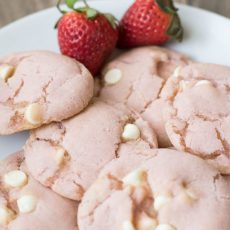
column 169, row 191
column 198, row 114
column 27, row 205
column 68, row 156
column 37, row 88
column 136, row 79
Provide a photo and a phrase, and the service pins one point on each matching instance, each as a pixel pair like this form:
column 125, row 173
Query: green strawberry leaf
column 56, row 24
column 91, row 13
column 70, row 3
column 175, row 29
column 167, row 6
column 112, row 20
column 81, row 9
column 88, row 11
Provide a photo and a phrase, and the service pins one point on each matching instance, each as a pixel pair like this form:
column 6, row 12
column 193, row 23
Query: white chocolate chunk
column 27, row 203
column 113, row 76
column 16, row 178
column 164, row 57
column 183, row 85
column 160, row 201
column 188, row 196
column 203, row 82
column 6, row 215
column 176, row 72
column 127, row 225
column 165, row 227
column 61, row 155
column 6, row 71
column 146, row 223
column 136, row 178
column 131, row 132
column 33, row 114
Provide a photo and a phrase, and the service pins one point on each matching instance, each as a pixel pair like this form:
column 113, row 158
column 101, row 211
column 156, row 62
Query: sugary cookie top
column 137, row 76
column 169, row 191
column 40, row 87
column 198, row 113
column 68, row 156
column 26, row 204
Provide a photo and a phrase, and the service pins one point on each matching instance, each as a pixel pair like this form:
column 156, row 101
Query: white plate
column 206, row 39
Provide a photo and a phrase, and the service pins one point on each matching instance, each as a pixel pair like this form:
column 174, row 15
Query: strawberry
column 150, row 22
column 87, row 35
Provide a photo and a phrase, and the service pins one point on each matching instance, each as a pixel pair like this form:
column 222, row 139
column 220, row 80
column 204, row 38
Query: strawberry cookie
column 67, row 156
column 26, row 204
column 37, row 88
column 159, row 194
column 198, row 113
column 136, row 79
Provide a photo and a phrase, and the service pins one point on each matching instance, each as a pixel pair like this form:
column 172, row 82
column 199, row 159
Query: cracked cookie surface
column 169, row 190
column 136, row 78
column 68, row 156
column 198, row 113
column 26, row 204
column 39, row 87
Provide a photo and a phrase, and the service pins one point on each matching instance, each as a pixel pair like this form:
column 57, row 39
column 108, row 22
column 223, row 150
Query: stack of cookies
column 145, row 146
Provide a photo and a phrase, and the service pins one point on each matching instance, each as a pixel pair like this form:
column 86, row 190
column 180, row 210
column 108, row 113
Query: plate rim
column 180, row 5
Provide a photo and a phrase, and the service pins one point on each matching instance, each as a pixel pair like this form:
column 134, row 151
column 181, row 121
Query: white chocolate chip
column 146, row 223
column 165, row 227
column 183, row 85
column 61, row 155
column 188, row 196
column 176, row 72
column 16, row 178
column 33, row 114
column 136, row 178
column 160, row 201
column 164, row 57
column 131, row 132
column 6, row 71
column 191, row 194
column 27, row 203
column 113, row 76
column 127, row 225
column 203, row 82
column 6, row 215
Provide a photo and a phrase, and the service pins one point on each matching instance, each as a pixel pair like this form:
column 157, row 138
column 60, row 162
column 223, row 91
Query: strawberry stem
column 59, row 8
column 86, row 9
column 86, row 4
column 70, row 3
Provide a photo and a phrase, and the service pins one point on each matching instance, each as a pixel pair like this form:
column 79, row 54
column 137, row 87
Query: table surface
column 14, row 9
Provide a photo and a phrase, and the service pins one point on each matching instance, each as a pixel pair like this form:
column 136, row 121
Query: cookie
column 26, row 204
column 136, row 78
column 154, row 114
column 198, row 113
column 159, row 194
column 37, row 88
column 68, row 156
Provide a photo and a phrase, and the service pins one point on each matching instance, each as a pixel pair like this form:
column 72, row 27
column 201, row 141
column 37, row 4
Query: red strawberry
column 150, row 22
column 87, row 35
